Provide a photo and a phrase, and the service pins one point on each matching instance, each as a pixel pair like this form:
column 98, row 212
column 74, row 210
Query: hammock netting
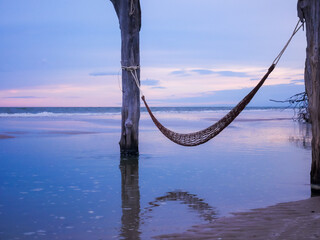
column 200, row 137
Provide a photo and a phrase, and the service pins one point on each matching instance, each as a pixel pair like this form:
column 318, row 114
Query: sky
column 60, row 53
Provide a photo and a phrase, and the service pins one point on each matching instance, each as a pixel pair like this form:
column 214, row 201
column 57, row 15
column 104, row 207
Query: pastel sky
column 193, row 52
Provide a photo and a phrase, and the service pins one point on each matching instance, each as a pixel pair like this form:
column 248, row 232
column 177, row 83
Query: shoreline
column 291, row 220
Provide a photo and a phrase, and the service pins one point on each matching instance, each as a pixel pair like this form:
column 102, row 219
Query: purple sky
column 193, row 53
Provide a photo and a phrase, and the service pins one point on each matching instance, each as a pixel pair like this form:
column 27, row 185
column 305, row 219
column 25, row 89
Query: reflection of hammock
column 200, row 137
column 191, row 200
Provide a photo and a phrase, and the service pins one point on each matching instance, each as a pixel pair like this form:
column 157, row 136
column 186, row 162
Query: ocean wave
column 65, row 112
column 51, row 114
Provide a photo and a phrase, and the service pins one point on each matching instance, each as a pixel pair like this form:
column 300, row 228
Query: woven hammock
column 200, row 137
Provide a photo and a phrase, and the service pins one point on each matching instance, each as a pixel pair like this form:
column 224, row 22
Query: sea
column 69, row 111
column 62, row 175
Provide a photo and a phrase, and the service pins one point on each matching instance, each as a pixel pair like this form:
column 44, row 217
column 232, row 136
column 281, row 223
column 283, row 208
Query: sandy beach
column 294, row 220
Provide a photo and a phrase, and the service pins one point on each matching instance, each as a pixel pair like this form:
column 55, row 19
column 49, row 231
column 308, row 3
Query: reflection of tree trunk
column 130, row 195
column 309, row 10
column 303, row 137
column 129, row 14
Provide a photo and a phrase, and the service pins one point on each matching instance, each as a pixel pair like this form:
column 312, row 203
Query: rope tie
column 130, row 68
column 133, row 71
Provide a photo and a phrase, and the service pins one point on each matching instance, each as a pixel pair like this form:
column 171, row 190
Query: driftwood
column 309, row 11
column 299, row 103
column 129, row 15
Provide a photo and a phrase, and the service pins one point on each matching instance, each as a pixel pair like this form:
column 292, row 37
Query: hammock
column 200, row 137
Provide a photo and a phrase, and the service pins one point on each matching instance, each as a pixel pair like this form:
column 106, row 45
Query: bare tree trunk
column 309, row 11
column 129, row 14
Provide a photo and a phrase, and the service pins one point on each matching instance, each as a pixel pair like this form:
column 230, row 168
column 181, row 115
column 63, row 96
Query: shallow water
column 61, row 177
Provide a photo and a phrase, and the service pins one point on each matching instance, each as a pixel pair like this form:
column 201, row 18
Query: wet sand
column 3, row 136
column 66, row 174
column 294, row 220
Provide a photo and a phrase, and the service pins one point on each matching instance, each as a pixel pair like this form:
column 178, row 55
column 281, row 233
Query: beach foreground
column 292, row 220
column 62, row 176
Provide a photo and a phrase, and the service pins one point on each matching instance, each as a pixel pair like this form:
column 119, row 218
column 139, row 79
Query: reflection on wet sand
column 204, row 210
column 130, row 195
column 132, row 219
column 3, row 136
column 303, row 137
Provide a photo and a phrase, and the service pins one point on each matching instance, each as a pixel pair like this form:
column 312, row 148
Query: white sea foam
column 51, row 114
column 112, row 112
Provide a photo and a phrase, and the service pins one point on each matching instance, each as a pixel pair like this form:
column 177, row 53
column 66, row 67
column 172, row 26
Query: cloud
column 99, row 74
column 158, row 84
column 84, row 95
column 200, row 85
column 72, row 97
column 221, row 73
column 23, row 97
column 210, row 72
column 150, row 82
column 232, row 74
column 232, row 97
column 203, row 71
column 297, row 81
column 158, row 87
column 180, row 73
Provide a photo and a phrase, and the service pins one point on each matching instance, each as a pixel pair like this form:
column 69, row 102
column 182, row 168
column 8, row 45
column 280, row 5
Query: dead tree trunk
column 129, row 14
column 309, row 11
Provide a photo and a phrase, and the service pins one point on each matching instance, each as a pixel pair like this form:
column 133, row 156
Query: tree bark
column 129, row 15
column 309, row 11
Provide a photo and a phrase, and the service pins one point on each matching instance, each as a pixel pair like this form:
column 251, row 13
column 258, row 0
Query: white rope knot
column 133, row 71
column 130, row 68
